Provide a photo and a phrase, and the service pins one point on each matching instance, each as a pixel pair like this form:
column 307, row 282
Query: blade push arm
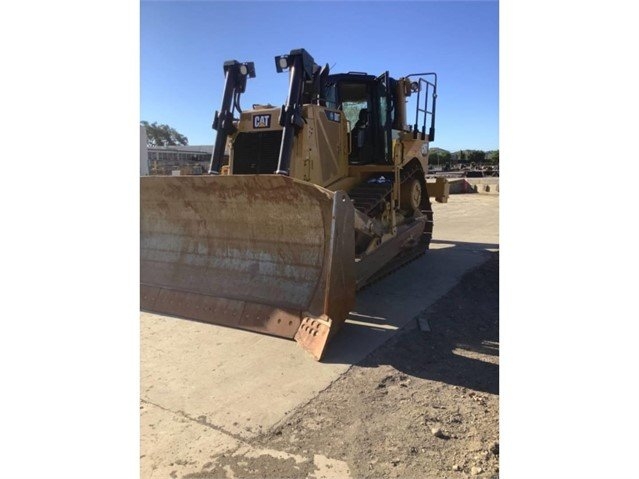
column 236, row 74
column 301, row 68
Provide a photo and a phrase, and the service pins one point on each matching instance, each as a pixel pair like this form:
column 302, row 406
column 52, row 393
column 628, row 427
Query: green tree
column 476, row 156
column 439, row 156
column 492, row 157
column 163, row 135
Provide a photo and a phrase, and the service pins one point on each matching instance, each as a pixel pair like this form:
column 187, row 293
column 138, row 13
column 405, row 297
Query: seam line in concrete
column 200, row 420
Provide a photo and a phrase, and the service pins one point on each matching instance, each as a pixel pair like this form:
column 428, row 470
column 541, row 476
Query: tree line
column 440, row 156
column 165, row 135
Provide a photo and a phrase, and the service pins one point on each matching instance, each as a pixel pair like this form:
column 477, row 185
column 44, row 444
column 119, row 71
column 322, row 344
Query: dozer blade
column 265, row 253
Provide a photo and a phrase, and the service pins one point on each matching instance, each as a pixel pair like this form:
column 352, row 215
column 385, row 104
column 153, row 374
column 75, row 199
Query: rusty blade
column 253, row 252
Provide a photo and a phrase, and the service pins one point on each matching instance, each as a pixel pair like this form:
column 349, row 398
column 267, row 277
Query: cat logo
column 261, row 121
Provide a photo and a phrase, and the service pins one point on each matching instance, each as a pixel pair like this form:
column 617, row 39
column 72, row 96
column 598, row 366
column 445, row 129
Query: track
column 406, row 257
column 367, row 198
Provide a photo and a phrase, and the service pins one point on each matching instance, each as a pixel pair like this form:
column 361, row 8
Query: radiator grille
column 256, row 153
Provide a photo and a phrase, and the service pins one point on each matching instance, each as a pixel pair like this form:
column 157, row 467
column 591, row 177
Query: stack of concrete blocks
column 487, row 185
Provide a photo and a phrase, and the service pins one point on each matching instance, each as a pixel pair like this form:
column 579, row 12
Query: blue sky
column 184, row 44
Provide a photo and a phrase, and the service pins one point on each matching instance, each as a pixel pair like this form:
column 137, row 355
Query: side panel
column 326, row 145
column 414, row 148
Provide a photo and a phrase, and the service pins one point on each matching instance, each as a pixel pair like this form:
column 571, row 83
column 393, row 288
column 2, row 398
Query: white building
column 188, row 159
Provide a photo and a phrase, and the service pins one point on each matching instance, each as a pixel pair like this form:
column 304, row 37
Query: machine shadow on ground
column 461, row 347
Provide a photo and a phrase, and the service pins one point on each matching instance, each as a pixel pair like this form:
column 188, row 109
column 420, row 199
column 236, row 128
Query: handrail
column 428, row 84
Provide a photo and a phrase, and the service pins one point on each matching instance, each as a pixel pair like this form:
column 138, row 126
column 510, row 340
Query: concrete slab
column 488, row 185
column 176, row 445
column 172, row 442
column 236, row 384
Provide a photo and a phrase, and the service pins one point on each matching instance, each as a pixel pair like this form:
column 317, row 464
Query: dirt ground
column 424, row 405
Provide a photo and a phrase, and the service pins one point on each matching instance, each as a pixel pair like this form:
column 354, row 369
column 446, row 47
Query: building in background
column 179, row 160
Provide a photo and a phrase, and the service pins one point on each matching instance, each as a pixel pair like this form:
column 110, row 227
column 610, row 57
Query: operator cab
column 364, row 99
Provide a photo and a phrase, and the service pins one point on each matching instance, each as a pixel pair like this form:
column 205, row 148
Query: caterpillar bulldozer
column 315, row 200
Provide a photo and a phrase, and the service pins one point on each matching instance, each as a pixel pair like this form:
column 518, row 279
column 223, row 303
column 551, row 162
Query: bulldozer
column 303, row 204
